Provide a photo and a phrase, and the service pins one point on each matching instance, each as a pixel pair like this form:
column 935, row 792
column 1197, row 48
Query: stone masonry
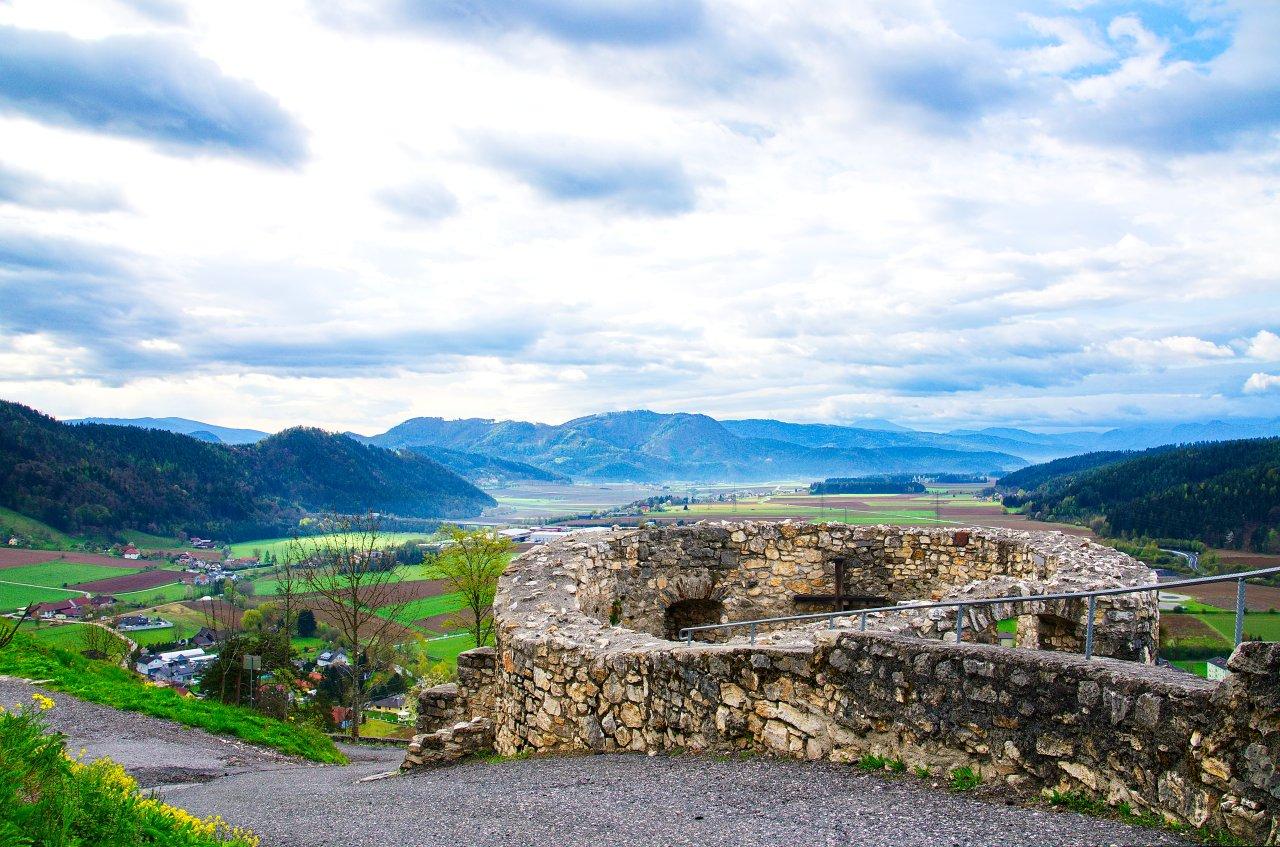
column 564, row 677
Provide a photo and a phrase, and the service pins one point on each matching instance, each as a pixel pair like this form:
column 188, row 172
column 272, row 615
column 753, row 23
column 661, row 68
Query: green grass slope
column 113, row 686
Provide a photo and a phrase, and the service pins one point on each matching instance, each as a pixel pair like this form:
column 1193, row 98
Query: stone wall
column 1156, row 738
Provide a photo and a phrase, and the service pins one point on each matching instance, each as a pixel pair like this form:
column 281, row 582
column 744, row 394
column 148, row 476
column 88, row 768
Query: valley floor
column 573, row 800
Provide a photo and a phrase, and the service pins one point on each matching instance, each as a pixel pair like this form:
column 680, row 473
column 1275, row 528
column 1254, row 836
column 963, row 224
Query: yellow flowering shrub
column 48, row 799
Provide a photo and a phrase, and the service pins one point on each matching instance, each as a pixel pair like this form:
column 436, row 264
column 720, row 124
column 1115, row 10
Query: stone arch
column 694, row 611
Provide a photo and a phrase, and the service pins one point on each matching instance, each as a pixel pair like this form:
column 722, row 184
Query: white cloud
column 1261, row 383
column 1170, row 351
column 1265, row 346
column 813, row 231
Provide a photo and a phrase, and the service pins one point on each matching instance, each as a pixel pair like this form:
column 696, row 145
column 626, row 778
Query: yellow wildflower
column 43, row 702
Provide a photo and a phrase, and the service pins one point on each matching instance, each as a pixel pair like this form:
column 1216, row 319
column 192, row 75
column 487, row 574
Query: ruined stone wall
column 1153, row 737
column 1156, row 738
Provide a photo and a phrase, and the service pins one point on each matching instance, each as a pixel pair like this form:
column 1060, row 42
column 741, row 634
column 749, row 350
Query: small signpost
column 252, row 664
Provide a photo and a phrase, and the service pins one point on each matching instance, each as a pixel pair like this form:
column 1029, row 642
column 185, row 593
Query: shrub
column 49, row 800
column 896, row 766
column 921, row 771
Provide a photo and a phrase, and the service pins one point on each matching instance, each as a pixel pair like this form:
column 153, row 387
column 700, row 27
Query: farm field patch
column 281, row 548
column 16, row 596
column 130, row 583
column 59, row 574
column 16, row 557
column 427, row 607
column 541, row 501
column 1257, row 598
column 1256, row 625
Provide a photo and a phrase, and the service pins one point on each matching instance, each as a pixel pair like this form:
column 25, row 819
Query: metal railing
column 686, row 634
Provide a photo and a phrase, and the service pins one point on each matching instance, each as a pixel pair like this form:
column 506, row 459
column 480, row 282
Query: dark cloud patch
column 143, row 87
column 628, row 23
column 83, row 295
column 423, row 201
column 342, row 353
column 944, row 89
column 629, row 182
column 1195, row 113
column 23, row 188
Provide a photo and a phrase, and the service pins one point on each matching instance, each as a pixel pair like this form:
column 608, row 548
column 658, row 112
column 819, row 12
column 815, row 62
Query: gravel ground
column 565, row 801
column 628, row 799
column 155, row 751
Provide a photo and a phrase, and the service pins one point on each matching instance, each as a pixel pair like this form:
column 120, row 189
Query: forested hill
column 97, row 478
column 1030, row 478
column 1226, row 494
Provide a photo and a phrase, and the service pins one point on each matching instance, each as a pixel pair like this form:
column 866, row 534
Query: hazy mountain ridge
column 185, row 426
column 651, row 446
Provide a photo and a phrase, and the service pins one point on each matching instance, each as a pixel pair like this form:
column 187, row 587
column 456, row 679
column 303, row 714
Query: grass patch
column 1078, row 801
column 870, row 762
column 35, row 534
column 1256, row 625
column 964, row 778
column 171, row 593
column 921, row 771
column 108, row 685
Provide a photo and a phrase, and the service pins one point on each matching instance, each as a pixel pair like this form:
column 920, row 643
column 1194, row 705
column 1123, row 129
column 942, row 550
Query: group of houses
column 175, row 667
column 73, row 608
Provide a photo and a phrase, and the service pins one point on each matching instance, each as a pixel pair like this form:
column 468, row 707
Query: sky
column 346, row 213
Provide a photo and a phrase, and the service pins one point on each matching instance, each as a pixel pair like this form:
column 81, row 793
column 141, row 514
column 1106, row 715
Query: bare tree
column 354, row 586
column 471, row 565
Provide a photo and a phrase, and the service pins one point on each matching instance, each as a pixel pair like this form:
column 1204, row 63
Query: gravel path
column 155, row 751
column 629, row 800
column 585, row 800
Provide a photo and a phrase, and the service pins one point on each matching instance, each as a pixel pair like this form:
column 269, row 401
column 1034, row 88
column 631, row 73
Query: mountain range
column 644, row 446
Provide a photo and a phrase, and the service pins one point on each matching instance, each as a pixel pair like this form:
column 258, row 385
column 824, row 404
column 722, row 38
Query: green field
column 281, row 547
column 16, row 596
column 59, row 574
column 427, row 607
column 170, row 593
column 446, row 649
column 177, row 632
column 1256, row 625
column 40, row 535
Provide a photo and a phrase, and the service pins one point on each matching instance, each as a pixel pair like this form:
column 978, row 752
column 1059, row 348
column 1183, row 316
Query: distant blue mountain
column 224, row 434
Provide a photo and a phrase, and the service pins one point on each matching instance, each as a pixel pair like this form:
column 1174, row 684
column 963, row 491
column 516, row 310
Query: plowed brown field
column 15, row 557
column 140, row 581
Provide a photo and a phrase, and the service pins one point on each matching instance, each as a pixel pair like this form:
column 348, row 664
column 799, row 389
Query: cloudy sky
column 1051, row 213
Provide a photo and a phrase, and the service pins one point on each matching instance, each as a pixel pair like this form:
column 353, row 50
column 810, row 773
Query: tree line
column 98, row 479
column 1225, row 494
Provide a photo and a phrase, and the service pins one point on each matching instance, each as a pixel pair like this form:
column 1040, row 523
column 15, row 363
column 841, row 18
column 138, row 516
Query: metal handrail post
column 1088, row 627
column 862, row 625
column 1239, row 610
column 959, row 624
column 753, row 633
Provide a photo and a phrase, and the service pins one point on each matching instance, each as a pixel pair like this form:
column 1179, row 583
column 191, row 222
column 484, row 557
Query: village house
column 131, row 552
column 332, row 657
